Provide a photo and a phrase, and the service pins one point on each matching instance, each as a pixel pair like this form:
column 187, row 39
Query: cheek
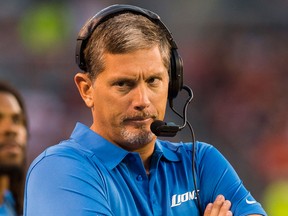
column 22, row 136
column 160, row 105
column 108, row 107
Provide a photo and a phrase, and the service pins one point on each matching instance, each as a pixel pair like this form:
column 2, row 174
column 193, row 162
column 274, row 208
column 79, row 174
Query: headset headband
column 176, row 64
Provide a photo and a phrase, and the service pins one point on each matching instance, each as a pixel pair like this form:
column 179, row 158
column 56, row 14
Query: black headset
column 176, row 63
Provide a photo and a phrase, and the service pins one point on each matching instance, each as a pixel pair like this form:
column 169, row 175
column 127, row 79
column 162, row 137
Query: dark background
column 235, row 59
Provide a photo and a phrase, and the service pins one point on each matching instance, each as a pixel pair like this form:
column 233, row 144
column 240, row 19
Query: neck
column 4, row 186
column 145, row 154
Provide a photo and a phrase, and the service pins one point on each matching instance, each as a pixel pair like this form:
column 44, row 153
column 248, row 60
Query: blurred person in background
column 118, row 166
column 13, row 141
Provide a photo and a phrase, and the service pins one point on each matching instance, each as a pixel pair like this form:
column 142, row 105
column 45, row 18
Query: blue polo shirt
column 88, row 175
column 7, row 208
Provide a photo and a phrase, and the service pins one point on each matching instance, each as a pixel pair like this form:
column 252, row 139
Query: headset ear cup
column 176, row 75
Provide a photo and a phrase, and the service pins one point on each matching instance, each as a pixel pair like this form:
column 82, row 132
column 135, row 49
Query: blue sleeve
column 64, row 185
column 217, row 176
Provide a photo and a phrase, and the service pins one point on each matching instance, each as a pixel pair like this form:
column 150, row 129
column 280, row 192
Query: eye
column 120, row 83
column 153, row 80
column 17, row 119
column 123, row 83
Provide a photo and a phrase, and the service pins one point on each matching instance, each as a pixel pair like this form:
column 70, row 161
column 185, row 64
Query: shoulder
column 67, row 152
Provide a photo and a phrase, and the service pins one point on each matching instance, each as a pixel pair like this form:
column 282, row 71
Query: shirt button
column 139, row 178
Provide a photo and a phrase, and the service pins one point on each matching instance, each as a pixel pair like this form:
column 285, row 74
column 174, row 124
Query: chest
column 168, row 190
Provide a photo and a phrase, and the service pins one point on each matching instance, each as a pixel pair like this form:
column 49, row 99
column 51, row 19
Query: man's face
column 128, row 95
column 13, row 134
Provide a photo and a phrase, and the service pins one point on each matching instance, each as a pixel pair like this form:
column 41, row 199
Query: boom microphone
column 170, row 129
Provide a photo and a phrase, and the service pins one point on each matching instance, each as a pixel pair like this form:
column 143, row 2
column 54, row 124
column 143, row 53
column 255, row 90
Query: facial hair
column 141, row 137
column 11, row 170
column 11, row 167
column 137, row 140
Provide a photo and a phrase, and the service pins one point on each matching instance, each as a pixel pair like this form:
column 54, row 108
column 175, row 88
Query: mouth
column 139, row 120
column 11, row 147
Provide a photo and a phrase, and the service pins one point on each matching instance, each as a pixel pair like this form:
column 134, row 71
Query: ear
column 85, row 88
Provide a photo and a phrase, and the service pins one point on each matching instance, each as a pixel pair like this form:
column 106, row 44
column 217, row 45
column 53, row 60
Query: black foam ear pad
column 176, row 63
column 176, row 75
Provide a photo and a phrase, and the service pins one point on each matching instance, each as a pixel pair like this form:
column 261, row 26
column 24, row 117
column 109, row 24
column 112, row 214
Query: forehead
column 8, row 103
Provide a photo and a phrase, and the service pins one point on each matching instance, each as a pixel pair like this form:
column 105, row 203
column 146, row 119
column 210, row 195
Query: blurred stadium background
column 235, row 59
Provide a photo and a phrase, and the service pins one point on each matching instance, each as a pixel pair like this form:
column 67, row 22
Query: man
column 13, row 140
column 118, row 166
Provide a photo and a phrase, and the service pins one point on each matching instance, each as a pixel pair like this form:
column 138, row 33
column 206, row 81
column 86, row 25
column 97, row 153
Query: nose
column 141, row 97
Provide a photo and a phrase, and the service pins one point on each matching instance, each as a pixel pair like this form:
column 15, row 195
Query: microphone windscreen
column 156, row 125
column 161, row 128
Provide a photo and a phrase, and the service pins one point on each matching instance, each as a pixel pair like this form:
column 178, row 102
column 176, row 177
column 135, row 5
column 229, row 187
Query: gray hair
column 124, row 33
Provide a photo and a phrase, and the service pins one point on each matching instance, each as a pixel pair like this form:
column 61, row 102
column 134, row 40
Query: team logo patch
column 178, row 199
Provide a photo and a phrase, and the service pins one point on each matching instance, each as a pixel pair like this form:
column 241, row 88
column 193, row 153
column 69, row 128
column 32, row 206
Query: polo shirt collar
column 168, row 153
column 110, row 154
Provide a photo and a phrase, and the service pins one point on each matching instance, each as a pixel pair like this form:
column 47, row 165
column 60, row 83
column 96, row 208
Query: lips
column 9, row 145
column 138, row 120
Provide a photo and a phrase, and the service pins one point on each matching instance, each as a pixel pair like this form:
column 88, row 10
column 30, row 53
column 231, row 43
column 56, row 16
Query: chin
column 137, row 137
column 10, row 169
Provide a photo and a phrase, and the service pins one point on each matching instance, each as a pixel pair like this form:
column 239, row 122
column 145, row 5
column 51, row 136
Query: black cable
column 193, row 167
column 184, row 117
